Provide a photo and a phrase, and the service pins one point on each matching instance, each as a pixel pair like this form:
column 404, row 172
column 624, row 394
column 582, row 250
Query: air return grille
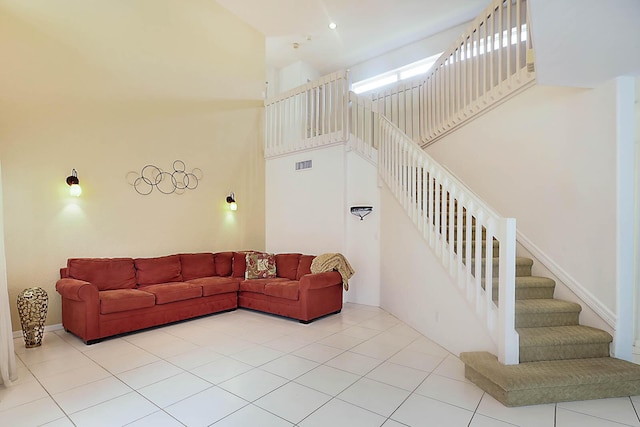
column 306, row 164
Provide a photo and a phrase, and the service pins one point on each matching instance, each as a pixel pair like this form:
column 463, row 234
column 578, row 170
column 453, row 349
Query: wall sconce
column 231, row 199
column 74, row 184
column 361, row 211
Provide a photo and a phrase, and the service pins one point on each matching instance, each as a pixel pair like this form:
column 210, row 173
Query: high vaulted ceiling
column 365, row 28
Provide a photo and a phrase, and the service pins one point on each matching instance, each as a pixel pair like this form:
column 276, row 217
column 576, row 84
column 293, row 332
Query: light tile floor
column 362, row 367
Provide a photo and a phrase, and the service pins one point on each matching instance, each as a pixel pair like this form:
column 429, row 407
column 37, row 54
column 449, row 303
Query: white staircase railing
column 453, row 220
column 308, row 116
column 490, row 62
column 364, row 127
column 401, row 105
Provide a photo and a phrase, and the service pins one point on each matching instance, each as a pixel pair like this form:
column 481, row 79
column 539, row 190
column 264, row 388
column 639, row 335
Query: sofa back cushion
column 304, row 266
column 150, row 271
column 240, row 263
column 106, row 273
column 224, row 263
column 195, row 266
column 287, row 265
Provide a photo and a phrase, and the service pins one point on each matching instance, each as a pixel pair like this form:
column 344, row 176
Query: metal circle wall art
column 177, row 181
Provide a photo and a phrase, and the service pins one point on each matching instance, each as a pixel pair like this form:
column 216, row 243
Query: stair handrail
column 442, row 208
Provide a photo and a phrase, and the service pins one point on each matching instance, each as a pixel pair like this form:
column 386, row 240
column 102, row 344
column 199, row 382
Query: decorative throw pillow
column 260, row 266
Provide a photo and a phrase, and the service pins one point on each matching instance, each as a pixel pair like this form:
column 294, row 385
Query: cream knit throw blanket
column 331, row 262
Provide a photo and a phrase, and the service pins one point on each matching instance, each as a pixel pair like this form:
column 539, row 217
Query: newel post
column 508, row 343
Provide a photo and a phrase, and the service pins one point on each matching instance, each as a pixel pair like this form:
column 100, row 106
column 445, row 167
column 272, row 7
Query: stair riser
column 534, row 293
column 563, row 352
column 496, row 249
column 521, row 270
column 527, row 290
column 528, row 293
column 473, row 233
column 537, row 320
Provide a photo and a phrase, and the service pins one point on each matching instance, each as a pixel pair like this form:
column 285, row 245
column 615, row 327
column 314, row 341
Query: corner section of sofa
column 294, row 292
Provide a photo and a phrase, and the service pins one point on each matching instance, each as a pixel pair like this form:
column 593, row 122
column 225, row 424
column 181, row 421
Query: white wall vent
column 306, row 164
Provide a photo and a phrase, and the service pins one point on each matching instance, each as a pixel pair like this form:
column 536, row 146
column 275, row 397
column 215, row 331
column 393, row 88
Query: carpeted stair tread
column 562, row 335
column 552, row 381
column 551, row 372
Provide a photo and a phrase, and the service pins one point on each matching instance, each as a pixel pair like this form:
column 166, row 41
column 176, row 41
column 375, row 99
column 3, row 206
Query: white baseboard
column 604, row 312
column 50, row 328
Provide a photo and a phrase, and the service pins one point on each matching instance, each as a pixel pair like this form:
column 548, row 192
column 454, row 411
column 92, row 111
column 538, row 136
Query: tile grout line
column 414, row 390
column 44, row 388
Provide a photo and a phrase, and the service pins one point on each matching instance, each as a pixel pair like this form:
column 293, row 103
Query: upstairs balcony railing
column 490, row 62
column 308, row 116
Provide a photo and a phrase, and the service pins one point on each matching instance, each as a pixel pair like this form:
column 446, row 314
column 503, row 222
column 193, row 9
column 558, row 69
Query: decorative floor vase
column 32, row 308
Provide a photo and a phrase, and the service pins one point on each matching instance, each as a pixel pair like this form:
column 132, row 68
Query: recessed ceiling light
column 333, row 26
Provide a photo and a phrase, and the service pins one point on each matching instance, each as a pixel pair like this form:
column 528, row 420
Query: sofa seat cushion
column 171, row 292
column 106, row 273
column 117, row 300
column 287, row 290
column 216, row 285
column 257, row 285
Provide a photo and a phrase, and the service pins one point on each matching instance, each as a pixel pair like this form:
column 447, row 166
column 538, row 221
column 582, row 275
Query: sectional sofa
column 102, row 297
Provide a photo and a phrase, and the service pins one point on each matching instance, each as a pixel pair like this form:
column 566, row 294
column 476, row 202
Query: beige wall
column 547, row 157
column 106, row 88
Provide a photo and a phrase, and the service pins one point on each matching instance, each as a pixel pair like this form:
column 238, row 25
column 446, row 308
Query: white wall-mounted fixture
column 231, row 199
column 361, row 211
column 74, row 184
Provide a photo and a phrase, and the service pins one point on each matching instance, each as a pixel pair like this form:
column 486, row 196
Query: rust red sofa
column 102, row 297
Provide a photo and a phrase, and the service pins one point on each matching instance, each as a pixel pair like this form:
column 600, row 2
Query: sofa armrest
column 77, row 290
column 320, row 280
